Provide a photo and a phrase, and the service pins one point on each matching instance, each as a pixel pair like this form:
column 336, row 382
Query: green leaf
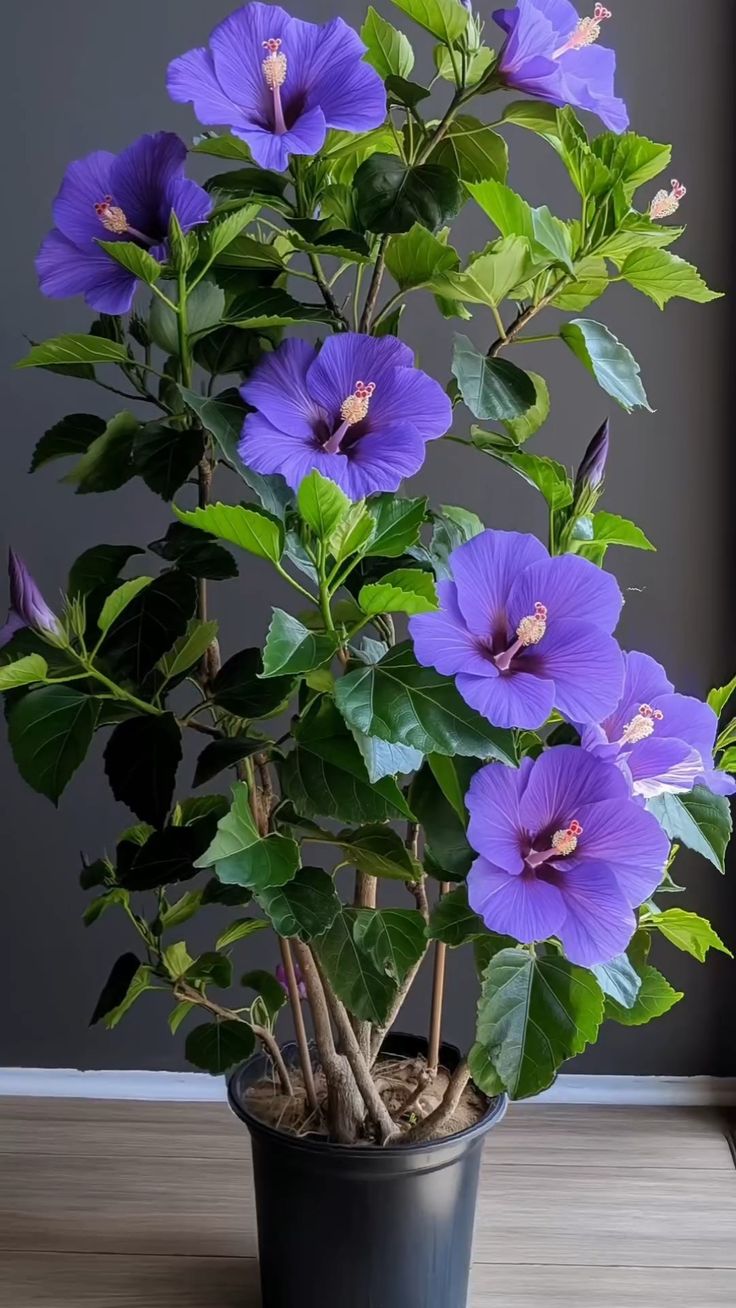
column 157, row 616
column 376, row 850
column 447, row 851
column 225, row 146
column 720, row 696
column 120, row 599
column 325, row 776
column 321, row 504
column 477, row 64
column 164, row 456
column 305, row 907
column 223, row 416
column 453, row 921
column 491, row 388
column 70, row 351
column 394, row 938
column 141, row 761
column 241, row 857
column 520, row 429
column 631, row 159
column 591, row 282
column 533, row 1014
column 222, row 232
column 418, row 258
column 352, row 533
column 166, row 857
column 211, row 968
column 398, row 523
column 271, row 307
column 72, row 435
column 400, row 701
column 99, row 566
column 135, row 259
column 50, row 731
column 239, row 689
column 116, row 987
column 366, row 990
column 613, row 366
column 205, row 308
column 182, row 910
column 473, row 151
column 196, row 553
column 700, row 820
column 269, row 990
column 383, row 759
column 111, row 898
column 292, row 648
column 221, row 754
column 142, row 981
column 445, row 19
column 693, row 934
column 389, row 51
column 536, row 117
column 23, row 672
column 215, row 1047
column 453, row 526
column 655, row 998
column 554, row 236
column 619, row 980
column 610, row 529
column 188, row 649
column 107, row 463
column 240, row 930
column 392, row 196
column 662, row 275
column 490, row 277
column 549, row 477
column 405, row 590
column 251, row 529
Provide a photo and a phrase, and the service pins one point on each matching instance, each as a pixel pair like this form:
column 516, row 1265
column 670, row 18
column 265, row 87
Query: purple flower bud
column 592, row 469
column 300, row 984
column 28, row 607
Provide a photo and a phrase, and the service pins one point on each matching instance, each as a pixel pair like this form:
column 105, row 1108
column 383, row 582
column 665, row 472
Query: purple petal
column 277, row 387
column 718, row 781
column 86, row 182
column 687, row 719
column 13, row 624
column 644, row 681
column 571, row 588
column 520, row 906
column 415, row 396
column 349, row 92
column 237, row 52
column 495, row 829
column 533, row 34
column 381, row 460
column 484, row 570
column 140, row 179
column 585, row 665
column 442, row 641
column 351, row 357
column 665, row 766
column 192, row 77
column 563, row 780
column 271, row 150
column 190, row 202
column 266, row 449
column 63, row 269
column 513, row 699
column 599, row 922
column 588, row 81
column 625, row 837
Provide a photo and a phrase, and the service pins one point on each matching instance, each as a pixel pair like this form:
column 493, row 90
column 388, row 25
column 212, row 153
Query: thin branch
column 187, row 994
column 305, row 1059
column 431, row 1127
column 326, row 292
column 438, row 997
column 375, row 286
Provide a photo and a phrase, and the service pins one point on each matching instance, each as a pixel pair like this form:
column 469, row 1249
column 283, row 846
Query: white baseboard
column 194, row 1087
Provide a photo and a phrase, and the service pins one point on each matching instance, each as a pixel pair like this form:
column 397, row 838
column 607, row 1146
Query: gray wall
column 84, row 75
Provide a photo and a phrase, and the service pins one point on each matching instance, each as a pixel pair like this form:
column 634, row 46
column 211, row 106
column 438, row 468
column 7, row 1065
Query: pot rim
column 237, row 1080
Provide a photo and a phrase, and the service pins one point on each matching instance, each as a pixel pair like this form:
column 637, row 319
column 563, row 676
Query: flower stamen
column 530, row 631
column 565, row 841
column 665, row 203
column 354, row 408
column 642, row 725
column 586, row 33
column 274, row 71
column 111, row 216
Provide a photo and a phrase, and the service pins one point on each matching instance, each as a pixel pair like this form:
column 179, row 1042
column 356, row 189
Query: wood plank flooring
column 135, row 1205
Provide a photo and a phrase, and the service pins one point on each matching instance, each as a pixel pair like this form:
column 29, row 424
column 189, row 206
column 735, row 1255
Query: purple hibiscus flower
column 358, row 411
column 663, row 742
column 563, row 851
column 28, row 607
column 124, row 197
column 550, row 53
column 278, row 83
column 523, row 633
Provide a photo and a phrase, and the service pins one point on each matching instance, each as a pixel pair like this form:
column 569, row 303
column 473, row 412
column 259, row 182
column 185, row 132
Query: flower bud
column 592, row 470
column 300, row 983
column 28, row 607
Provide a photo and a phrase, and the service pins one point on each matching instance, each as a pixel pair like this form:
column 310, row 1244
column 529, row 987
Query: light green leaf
column 533, row 1014
column 406, row 590
column 398, row 523
column 610, row 529
column 321, row 504
column 655, row 998
column 252, row 529
column 477, row 64
column 389, row 51
column 240, row 930
column 23, row 672
column 700, row 820
column 139, row 985
column 631, row 159
column 662, row 276
column 352, row 533
column 376, row 850
column 418, row 258
column 491, row 388
column 50, row 731
column 120, row 599
column 520, row 429
column 306, row 907
column 241, row 857
column 473, row 151
column 687, row 931
column 292, row 648
column 548, row 476
column 619, row 980
column 592, row 280
column 719, row 697
column 399, row 701
column 221, row 232
column 107, row 463
column 535, row 116
column 507, row 211
column 554, row 236
column 445, row 19
column 189, row 649
column 490, row 277
column 613, row 366
column 393, row 937
column 205, row 308
column 135, row 259
column 366, row 990
column 71, row 351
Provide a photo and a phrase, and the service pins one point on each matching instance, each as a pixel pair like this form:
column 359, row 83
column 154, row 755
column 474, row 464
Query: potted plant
column 443, row 705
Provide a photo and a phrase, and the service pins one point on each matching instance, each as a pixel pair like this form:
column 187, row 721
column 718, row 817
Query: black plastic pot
column 343, row 1226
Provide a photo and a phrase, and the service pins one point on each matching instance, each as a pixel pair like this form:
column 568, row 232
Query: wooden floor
column 131, row 1205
